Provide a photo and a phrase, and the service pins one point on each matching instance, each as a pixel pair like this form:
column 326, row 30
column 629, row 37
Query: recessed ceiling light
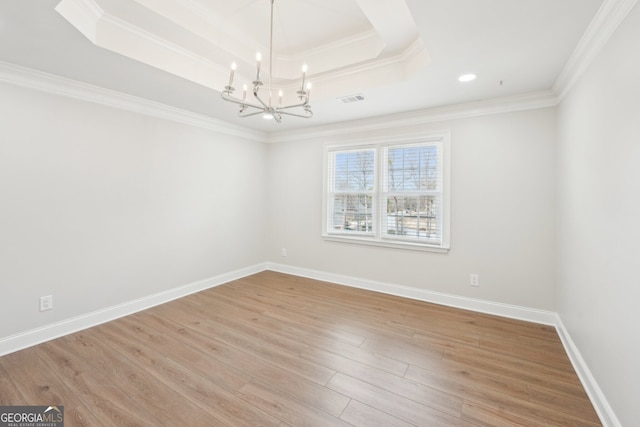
column 467, row 78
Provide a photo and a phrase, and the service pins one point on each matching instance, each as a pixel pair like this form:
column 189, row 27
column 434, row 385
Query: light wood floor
column 279, row 350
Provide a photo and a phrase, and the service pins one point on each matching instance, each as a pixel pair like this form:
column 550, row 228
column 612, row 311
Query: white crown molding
column 412, row 52
column 56, row 85
column 530, row 101
column 597, row 397
column 49, row 83
column 36, row 336
column 604, row 24
column 137, row 32
column 367, row 37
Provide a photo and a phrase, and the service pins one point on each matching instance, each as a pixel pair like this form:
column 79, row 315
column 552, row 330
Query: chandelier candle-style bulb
column 244, row 92
column 258, row 61
column 280, row 94
column 304, row 74
column 308, row 91
column 233, row 71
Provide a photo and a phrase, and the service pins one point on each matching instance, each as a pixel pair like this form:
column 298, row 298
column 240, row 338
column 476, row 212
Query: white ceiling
column 402, row 55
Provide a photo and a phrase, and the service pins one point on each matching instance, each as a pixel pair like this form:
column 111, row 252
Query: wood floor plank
column 202, row 390
column 493, row 417
column 92, row 388
column 345, row 358
column 279, row 350
column 509, row 398
column 286, row 381
column 259, row 348
column 140, row 386
column 419, row 393
column 157, row 335
column 41, row 385
column 244, row 322
column 534, row 373
column 10, row 395
column 408, row 351
column 361, row 415
column 286, row 408
column 402, row 408
column 352, row 316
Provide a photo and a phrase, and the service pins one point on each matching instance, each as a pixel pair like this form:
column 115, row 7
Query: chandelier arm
column 308, row 115
column 227, row 97
column 255, row 113
column 302, row 104
column 255, row 94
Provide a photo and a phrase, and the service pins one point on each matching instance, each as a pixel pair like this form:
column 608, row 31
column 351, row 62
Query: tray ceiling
column 199, row 39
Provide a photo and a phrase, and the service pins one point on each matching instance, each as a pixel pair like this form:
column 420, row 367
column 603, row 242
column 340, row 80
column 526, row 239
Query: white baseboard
column 45, row 333
column 598, row 399
column 478, row 305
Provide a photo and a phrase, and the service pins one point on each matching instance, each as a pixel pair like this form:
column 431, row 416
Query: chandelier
column 267, row 105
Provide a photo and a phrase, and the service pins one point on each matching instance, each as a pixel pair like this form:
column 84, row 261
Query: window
column 391, row 193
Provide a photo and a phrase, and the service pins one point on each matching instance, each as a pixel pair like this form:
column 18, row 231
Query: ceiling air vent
column 351, row 98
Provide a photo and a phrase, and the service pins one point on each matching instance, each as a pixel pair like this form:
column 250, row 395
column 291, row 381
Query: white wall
column 100, row 206
column 599, row 218
column 503, row 212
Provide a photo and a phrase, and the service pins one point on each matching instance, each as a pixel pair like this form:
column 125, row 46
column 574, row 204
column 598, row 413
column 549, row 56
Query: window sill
column 386, row 244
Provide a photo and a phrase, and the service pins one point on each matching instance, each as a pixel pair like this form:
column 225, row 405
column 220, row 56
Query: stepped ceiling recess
column 389, row 56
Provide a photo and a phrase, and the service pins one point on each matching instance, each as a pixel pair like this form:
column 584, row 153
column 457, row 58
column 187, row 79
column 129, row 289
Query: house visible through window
column 391, row 194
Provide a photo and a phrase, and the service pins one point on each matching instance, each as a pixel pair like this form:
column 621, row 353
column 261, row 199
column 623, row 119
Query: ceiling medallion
column 268, row 108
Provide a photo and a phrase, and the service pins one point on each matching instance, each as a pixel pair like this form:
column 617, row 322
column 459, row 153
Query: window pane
column 412, row 169
column 354, row 171
column 412, row 198
column 413, row 216
column 353, row 212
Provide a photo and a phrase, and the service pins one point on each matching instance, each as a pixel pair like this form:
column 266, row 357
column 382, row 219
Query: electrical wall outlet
column 46, row 303
column 474, row 280
column 284, row 252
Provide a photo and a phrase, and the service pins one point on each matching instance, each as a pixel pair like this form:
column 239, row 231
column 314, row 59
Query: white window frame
column 377, row 238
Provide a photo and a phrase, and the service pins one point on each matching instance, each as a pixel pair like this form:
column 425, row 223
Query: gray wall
column 599, row 218
column 100, row 206
column 502, row 204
